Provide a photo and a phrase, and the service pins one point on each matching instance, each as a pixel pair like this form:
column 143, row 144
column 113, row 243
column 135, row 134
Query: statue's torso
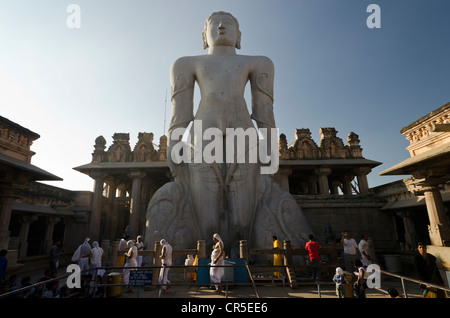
column 222, row 80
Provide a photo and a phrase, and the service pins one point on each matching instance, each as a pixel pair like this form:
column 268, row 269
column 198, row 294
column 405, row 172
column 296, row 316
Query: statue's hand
column 174, row 167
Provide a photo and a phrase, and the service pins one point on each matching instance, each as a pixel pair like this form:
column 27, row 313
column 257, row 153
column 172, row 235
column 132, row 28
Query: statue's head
column 220, row 29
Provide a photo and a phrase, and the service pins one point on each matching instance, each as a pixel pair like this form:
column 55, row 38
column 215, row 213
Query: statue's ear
column 205, row 41
column 238, row 41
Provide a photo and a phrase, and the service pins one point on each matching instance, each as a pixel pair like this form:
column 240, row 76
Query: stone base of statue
column 171, row 215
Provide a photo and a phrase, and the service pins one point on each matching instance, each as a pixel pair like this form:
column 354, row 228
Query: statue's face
column 221, row 31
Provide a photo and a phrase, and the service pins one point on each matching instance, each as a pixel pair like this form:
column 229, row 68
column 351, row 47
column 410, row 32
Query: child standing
column 340, row 281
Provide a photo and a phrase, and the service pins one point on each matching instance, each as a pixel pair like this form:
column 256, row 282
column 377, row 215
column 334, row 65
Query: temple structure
column 328, row 180
column 33, row 214
column 421, row 202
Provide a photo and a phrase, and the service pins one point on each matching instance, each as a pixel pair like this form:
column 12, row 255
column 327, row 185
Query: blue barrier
column 239, row 270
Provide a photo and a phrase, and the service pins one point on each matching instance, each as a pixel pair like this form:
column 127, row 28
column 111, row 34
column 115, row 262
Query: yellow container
column 348, row 290
column 121, row 260
column 114, row 291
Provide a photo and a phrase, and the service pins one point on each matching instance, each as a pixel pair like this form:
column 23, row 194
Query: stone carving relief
column 330, row 147
column 120, row 150
column 144, row 151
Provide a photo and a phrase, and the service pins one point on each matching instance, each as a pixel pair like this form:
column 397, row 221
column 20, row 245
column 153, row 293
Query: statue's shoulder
column 185, row 62
column 259, row 62
column 188, row 60
column 257, row 59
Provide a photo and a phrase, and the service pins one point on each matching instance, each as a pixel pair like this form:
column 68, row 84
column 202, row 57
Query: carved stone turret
column 162, row 152
column 99, row 149
column 331, row 146
column 355, row 151
column 144, row 151
column 120, row 150
column 304, row 147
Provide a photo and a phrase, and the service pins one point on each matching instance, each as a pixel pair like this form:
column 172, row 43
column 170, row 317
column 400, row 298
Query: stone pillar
column 111, row 219
column 114, row 253
column 243, row 250
column 282, row 178
column 347, row 184
column 105, row 245
column 122, row 194
column 96, row 209
column 335, row 187
column 201, row 249
column 312, row 184
column 5, row 217
column 48, row 241
column 439, row 228
column 323, row 173
column 361, row 175
column 287, row 253
column 145, row 199
column 8, row 193
column 134, row 218
column 25, row 221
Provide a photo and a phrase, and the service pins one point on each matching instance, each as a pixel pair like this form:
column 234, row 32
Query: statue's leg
column 207, row 197
column 242, row 185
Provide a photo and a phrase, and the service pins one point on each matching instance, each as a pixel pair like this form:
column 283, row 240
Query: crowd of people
column 90, row 259
column 51, row 287
column 357, row 257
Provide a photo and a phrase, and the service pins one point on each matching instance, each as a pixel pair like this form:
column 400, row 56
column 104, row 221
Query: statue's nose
column 221, row 26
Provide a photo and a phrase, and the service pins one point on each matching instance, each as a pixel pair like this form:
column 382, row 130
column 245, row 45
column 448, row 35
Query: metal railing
column 225, row 283
column 413, row 280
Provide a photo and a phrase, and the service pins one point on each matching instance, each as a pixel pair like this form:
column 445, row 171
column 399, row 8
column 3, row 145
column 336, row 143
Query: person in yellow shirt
column 277, row 258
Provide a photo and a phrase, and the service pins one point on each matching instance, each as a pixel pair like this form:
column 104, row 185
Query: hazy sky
column 71, row 85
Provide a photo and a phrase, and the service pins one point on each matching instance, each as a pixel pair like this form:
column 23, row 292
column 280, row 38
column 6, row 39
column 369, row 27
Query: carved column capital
column 323, row 171
column 136, row 174
column 362, row 171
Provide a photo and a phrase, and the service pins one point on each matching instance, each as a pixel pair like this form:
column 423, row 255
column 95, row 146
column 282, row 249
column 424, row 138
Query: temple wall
column 358, row 215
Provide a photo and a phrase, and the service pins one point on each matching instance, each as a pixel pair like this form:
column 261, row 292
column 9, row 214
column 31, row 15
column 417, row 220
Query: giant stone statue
column 217, row 187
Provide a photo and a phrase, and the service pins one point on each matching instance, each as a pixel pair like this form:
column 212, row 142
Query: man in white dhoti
column 130, row 262
column 166, row 260
column 140, row 247
column 363, row 247
column 217, row 262
column 96, row 259
column 82, row 254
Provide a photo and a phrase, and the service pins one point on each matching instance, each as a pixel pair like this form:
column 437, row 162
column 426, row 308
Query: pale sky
column 71, row 85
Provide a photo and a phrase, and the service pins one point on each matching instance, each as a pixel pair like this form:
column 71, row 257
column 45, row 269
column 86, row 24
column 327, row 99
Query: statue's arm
column 182, row 83
column 261, row 81
column 182, row 94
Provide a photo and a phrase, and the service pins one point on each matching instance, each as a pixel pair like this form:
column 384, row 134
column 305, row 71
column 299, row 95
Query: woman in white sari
column 131, row 262
column 96, row 260
column 82, row 254
column 217, row 270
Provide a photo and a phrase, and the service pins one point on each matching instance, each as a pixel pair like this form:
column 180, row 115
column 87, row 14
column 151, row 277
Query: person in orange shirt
column 312, row 246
